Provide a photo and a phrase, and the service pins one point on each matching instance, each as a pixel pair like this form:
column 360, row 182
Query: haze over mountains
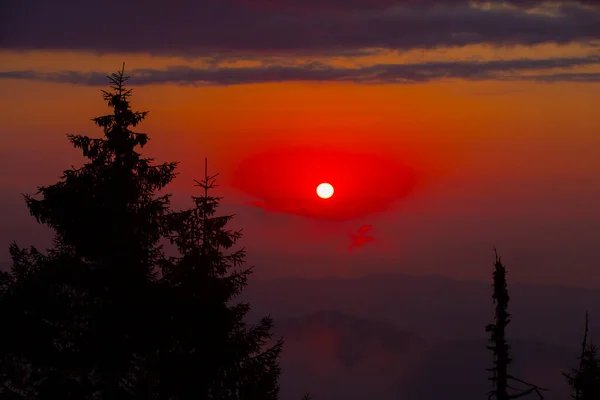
column 407, row 337
column 434, row 307
column 334, row 355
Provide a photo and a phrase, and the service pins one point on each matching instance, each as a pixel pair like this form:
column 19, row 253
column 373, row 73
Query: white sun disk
column 325, row 190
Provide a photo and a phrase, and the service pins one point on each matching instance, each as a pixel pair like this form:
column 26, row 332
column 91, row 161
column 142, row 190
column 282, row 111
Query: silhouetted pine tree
column 80, row 318
column 92, row 318
column 585, row 380
column 214, row 353
column 501, row 380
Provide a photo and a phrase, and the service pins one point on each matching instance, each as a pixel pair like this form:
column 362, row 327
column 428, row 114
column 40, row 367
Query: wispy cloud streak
column 318, row 72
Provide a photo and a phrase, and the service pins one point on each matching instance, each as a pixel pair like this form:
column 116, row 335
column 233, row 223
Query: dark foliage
column 84, row 304
column 585, row 380
column 231, row 360
column 104, row 314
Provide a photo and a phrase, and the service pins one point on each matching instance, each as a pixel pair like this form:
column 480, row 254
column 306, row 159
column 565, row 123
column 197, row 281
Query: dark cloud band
column 204, row 27
column 385, row 4
column 317, row 72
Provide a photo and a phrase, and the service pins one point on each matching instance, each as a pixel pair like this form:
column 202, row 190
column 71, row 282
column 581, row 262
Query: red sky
column 494, row 109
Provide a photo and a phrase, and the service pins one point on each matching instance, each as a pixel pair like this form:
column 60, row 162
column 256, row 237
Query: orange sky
column 508, row 163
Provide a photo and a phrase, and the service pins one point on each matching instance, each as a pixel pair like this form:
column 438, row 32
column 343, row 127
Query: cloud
column 361, row 237
column 341, row 7
column 589, row 77
column 209, row 27
column 385, row 4
column 318, row 72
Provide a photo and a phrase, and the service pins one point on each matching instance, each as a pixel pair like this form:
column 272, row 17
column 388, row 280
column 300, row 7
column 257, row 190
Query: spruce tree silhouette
column 84, row 307
column 585, row 380
column 215, row 354
column 104, row 314
column 501, row 380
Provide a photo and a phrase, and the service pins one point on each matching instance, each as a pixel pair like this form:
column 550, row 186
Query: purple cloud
column 317, row 72
column 385, row 4
column 208, row 27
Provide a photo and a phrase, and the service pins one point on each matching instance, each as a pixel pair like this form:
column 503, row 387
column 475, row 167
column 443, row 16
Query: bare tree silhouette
column 502, row 381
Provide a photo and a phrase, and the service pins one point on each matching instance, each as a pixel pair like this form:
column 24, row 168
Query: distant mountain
column 334, row 355
column 434, row 307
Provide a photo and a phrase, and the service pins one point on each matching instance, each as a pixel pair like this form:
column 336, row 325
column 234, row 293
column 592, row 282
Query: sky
column 447, row 127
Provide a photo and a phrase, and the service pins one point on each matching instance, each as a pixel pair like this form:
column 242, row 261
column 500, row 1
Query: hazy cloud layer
column 384, row 4
column 318, row 72
column 205, row 27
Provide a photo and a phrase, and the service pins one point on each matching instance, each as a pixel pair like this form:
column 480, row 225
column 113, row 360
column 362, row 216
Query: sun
column 324, row 190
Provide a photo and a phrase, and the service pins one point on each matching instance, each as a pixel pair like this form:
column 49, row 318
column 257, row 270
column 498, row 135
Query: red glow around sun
column 285, row 180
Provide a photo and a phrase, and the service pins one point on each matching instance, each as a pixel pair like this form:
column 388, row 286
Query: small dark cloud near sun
column 361, row 237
